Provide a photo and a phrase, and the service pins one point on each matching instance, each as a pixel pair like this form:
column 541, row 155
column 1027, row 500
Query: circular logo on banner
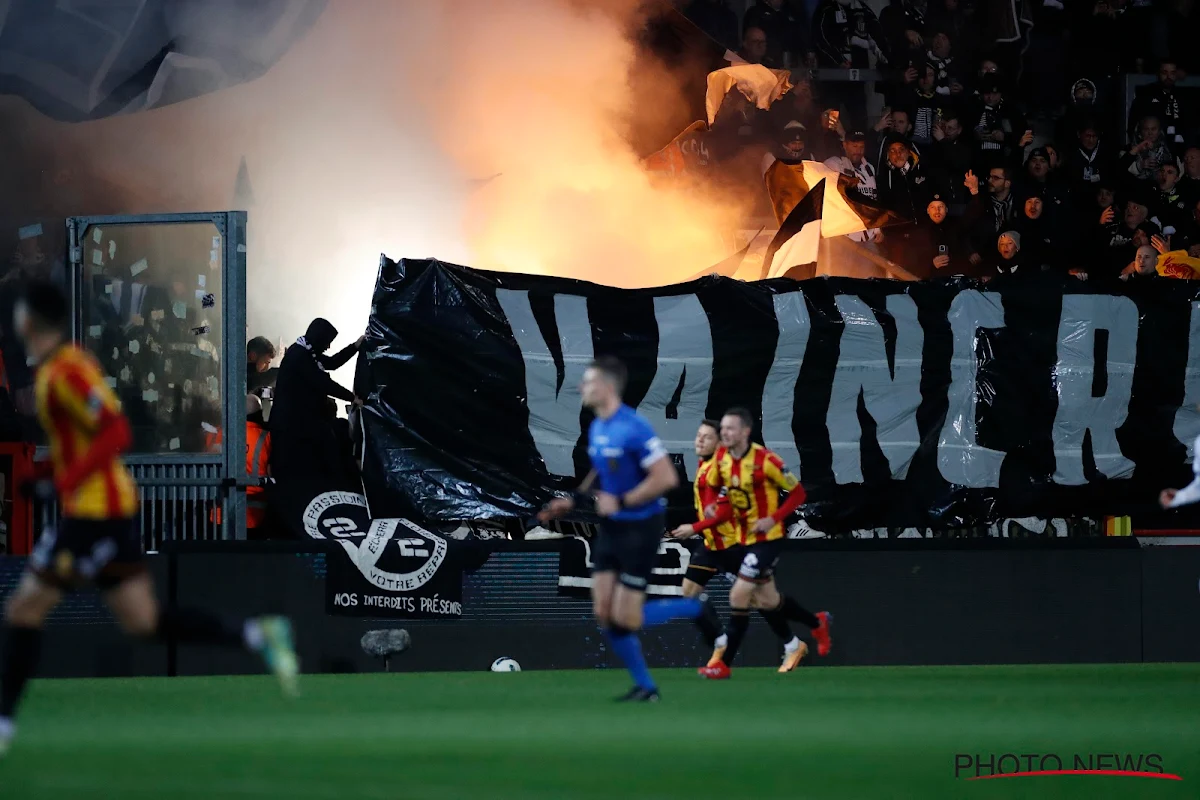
column 393, row 554
column 337, row 515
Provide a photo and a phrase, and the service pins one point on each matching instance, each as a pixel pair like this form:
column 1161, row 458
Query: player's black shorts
column 706, row 563
column 102, row 552
column 759, row 560
column 628, row 547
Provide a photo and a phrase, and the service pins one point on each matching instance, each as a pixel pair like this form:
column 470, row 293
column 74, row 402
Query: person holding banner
column 633, row 472
column 722, row 551
column 752, row 479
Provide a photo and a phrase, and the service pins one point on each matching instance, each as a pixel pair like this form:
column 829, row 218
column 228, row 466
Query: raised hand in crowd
column 1026, row 138
column 1140, row 147
column 975, row 259
column 996, row 136
column 910, row 75
column 1079, row 273
column 939, row 130
column 1161, row 244
column 942, row 261
column 1107, row 215
column 885, row 121
column 971, row 181
column 914, row 38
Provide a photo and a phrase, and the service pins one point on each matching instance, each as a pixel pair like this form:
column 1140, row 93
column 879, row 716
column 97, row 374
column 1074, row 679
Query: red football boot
column 821, row 633
column 717, row 672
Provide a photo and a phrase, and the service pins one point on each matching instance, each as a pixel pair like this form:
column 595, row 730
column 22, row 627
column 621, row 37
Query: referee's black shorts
column 629, row 547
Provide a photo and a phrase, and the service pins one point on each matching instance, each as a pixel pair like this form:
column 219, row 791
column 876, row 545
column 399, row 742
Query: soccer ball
column 505, row 664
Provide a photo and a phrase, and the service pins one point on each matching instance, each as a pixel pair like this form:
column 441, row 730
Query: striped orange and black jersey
column 751, row 485
column 706, row 493
column 87, row 430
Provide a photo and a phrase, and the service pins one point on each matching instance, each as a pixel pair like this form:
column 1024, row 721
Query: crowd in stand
column 1001, row 133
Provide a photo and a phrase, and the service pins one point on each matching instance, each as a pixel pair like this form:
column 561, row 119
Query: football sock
column 21, row 649
column 778, row 624
column 739, row 623
column 628, row 648
column 660, row 611
column 195, row 626
column 793, row 610
column 709, row 622
column 722, row 641
column 792, row 646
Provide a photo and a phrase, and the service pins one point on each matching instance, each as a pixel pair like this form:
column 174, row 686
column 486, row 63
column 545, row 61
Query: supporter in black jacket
column 303, row 443
column 785, row 32
column 1088, row 163
column 903, row 185
column 924, row 105
column 1159, row 100
column 845, row 32
column 937, row 249
column 1168, row 203
column 904, row 30
column 1189, row 181
column 989, row 215
column 1010, row 260
column 1041, row 239
column 999, row 127
column 1119, row 236
column 952, row 157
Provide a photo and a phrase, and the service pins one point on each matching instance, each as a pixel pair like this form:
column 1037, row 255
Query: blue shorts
column 629, row 547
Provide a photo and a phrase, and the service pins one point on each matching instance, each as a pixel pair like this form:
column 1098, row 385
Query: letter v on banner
column 1187, row 416
column 553, row 409
column 890, row 395
column 684, row 354
column 779, row 393
column 961, row 459
column 1079, row 410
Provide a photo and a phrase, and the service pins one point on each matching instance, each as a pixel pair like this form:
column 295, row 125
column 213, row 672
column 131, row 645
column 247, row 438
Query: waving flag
column 77, row 61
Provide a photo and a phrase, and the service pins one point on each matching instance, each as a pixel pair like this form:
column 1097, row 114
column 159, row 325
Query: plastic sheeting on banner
column 933, row 404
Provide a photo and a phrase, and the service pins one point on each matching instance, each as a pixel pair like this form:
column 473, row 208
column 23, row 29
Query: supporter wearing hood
column 303, row 443
column 903, row 184
column 1084, row 108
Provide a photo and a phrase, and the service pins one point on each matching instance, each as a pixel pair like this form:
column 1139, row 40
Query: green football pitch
column 816, row 733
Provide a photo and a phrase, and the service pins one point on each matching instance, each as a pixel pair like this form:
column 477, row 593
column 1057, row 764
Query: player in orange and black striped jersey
column 96, row 541
column 752, row 479
column 721, row 550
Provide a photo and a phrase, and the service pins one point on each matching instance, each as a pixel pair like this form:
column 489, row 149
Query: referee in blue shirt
column 631, row 468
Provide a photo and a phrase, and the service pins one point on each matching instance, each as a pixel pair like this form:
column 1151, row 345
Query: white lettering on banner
column 779, row 393
column 961, row 459
column 890, row 396
column 1187, row 416
column 1078, row 410
column 553, row 413
column 684, row 352
column 325, row 501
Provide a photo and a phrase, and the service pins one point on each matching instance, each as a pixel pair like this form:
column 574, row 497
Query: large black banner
column 933, row 404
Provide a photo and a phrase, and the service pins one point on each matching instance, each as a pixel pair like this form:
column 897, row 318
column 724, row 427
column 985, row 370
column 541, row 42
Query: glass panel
column 152, row 316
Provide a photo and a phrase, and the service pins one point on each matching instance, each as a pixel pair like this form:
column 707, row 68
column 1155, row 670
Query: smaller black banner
column 383, row 567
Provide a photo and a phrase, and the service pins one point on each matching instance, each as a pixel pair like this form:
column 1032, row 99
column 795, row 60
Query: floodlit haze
column 375, row 132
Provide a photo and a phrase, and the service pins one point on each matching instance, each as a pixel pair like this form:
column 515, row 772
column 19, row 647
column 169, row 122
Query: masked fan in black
column 303, row 440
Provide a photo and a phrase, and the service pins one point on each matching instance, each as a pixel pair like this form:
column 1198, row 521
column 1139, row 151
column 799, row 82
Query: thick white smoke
column 370, row 134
